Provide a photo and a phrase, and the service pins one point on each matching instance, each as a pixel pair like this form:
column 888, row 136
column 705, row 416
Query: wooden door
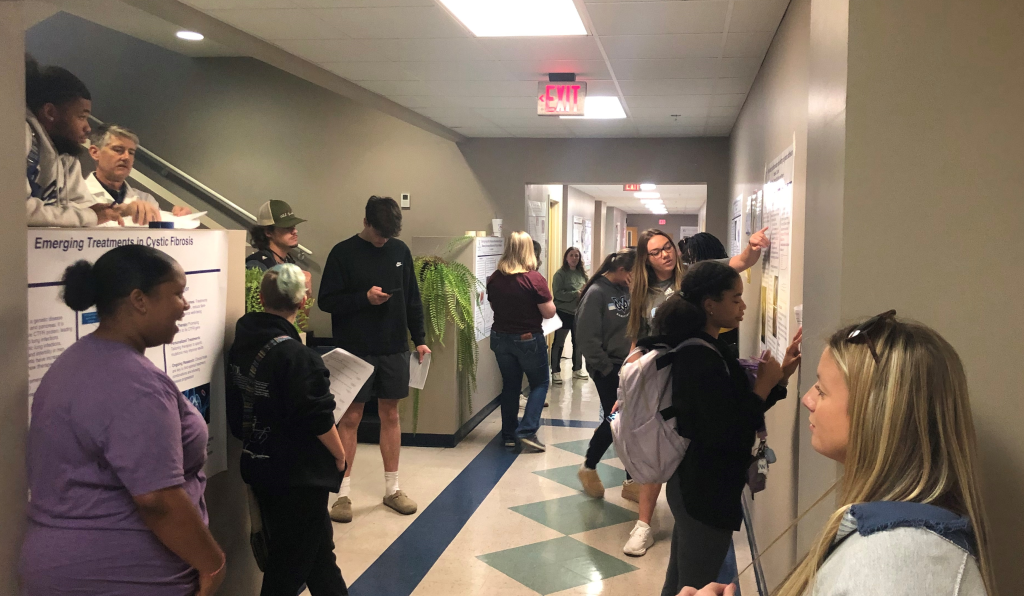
column 631, row 236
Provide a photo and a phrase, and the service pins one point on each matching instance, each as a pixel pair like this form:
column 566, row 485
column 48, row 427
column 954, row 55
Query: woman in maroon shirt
column 521, row 300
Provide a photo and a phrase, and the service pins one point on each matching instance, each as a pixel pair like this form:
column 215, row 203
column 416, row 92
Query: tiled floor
column 532, row 531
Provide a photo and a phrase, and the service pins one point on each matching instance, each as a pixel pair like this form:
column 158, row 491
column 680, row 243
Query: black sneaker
column 533, row 444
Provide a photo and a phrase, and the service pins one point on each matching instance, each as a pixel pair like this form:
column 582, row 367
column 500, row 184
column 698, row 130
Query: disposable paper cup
column 496, row 227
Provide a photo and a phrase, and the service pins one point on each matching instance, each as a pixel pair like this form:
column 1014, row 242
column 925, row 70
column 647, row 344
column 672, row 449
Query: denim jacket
column 901, row 549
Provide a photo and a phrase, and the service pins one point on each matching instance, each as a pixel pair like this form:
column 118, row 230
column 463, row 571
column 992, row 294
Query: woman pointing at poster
column 115, row 451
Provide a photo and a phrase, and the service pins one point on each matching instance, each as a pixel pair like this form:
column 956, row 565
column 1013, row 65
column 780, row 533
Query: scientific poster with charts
column 777, row 214
column 488, row 253
column 536, row 226
column 587, row 246
column 194, row 360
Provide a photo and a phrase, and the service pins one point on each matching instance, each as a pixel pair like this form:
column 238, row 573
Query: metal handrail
column 216, row 196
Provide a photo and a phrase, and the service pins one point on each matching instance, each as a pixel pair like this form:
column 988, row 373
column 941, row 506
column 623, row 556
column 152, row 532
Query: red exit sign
column 561, row 99
column 661, row 222
column 631, row 187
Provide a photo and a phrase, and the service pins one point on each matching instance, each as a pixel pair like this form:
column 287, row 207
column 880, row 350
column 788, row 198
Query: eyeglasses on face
column 862, row 333
column 666, row 249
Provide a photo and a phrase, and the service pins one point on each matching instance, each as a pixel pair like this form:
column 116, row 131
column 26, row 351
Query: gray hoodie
column 55, row 191
column 601, row 321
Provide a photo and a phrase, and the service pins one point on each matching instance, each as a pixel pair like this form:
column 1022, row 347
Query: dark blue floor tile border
column 570, row 423
column 406, row 562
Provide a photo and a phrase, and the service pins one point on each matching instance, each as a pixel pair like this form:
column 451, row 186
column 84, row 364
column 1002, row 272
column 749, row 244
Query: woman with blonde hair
column 521, row 300
column 891, row 404
column 657, row 275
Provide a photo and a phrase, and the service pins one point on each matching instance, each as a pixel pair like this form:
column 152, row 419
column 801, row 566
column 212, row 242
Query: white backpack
column 647, row 442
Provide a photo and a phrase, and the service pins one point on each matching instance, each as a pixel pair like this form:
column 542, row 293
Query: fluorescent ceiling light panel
column 599, row 108
column 647, row 195
column 517, row 18
column 648, row 186
column 190, row 36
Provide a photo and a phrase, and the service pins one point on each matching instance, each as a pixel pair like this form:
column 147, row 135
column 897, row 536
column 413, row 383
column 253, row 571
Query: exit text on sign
column 561, row 99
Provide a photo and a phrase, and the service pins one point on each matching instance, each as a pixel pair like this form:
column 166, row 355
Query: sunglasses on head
column 862, row 333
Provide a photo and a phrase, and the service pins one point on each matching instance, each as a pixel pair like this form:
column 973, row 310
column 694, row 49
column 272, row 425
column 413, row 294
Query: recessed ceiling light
column 190, row 36
column 599, row 108
column 648, row 186
column 517, row 18
column 647, row 195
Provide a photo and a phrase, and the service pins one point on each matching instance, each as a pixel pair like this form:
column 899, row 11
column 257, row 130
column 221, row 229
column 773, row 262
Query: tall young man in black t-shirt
column 369, row 288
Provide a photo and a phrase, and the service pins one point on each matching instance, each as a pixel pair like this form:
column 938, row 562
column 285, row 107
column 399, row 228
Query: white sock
column 390, row 483
column 346, row 487
column 583, row 466
column 640, row 524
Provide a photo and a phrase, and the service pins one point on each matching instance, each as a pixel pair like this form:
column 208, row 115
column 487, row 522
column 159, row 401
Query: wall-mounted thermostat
column 406, row 203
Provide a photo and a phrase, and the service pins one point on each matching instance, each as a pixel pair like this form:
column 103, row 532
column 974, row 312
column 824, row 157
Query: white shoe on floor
column 579, row 374
column 556, row 378
column 641, row 538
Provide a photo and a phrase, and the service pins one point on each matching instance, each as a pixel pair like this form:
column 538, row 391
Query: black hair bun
column 79, row 286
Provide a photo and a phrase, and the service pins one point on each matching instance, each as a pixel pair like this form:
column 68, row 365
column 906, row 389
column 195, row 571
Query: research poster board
column 194, row 360
column 587, row 246
column 776, row 212
column 487, row 253
column 536, row 225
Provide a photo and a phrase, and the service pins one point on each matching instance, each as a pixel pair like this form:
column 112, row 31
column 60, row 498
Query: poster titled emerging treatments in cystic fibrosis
column 194, row 361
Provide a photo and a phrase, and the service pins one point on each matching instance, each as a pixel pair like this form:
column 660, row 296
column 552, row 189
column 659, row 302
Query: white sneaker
column 641, row 538
column 556, row 378
column 579, row 374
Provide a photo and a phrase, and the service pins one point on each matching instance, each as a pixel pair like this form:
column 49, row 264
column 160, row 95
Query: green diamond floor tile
column 555, row 565
column 610, row 475
column 580, row 448
column 576, row 513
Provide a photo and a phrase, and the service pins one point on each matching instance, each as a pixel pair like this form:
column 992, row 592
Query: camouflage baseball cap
column 277, row 213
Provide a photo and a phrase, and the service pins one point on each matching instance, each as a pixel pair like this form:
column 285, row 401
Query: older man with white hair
column 113, row 148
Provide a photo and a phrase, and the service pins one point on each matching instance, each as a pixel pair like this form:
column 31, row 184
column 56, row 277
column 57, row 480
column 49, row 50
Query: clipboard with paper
column 348, row 375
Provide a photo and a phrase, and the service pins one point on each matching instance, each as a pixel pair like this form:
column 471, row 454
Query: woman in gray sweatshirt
column 891, row 404
column 601, row 322
column 566, row 286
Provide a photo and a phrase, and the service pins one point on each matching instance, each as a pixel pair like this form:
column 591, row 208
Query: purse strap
column 249, row 392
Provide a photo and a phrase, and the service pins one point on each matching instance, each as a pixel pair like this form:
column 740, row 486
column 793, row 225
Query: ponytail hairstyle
column 682, row 316
column 622, row 259
column 701, row 247
column 283, row 288
column 911, row 439
column 114, row 276
column 644, row 276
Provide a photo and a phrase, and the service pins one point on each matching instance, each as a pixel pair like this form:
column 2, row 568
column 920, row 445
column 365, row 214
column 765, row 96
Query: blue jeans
column 517, row 356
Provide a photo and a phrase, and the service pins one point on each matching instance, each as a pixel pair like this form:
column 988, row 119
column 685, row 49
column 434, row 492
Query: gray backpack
column 644, row 430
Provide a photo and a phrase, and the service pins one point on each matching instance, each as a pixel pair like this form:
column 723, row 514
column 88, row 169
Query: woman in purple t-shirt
column 115, row 451
column 520, row 299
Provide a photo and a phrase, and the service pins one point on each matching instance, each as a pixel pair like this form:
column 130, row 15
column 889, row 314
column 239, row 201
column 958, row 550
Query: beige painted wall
column 13, row 297
column 774, row 117
column 932, row 209
column 643, row 221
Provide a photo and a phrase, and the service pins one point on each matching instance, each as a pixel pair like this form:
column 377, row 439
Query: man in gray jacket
column 601, row 321
column 56, row 124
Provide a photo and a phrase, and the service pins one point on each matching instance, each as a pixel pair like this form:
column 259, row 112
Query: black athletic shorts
column 389, row 380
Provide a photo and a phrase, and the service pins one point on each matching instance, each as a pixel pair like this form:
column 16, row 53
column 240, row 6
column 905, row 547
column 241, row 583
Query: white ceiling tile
column 722, row 121
column 679, row 68
column 423, row 101
column 413, row 22
column 456, row 49
column 391, row 88
column 481, row 88
column 370, row 71
column 650, row 119
column 508, row 114
column 669, row 87
column 740, row 85
column 532, row 122
column 651, row 18
column 282, row 23
column 599, row 88
column 457, row 71
column 249, row 4
column 536, row 130
column 667, row 114
column 542, row 48
column 748, row 44
column 335, row 50
column 724, row 112
column 360, row 3
column 739, row 68
column 669, row 101
column 538, row 70
column 728, row 99
column 672, row 132
column 481, row 131
column 757, row 15
column 493, row 102
column 455, row 117
column 692, row 45
column 719, row 130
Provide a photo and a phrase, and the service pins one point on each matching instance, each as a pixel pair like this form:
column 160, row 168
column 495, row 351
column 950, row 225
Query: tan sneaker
column 401, row 503
column 341, row 511
column 591, row 482
column 631, row 491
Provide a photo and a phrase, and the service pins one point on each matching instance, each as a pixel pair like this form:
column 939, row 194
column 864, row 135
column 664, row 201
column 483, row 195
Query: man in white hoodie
column 56, row 124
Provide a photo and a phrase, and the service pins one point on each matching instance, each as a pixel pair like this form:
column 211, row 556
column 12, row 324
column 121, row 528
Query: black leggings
column 568, row 323
column 607, row 391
